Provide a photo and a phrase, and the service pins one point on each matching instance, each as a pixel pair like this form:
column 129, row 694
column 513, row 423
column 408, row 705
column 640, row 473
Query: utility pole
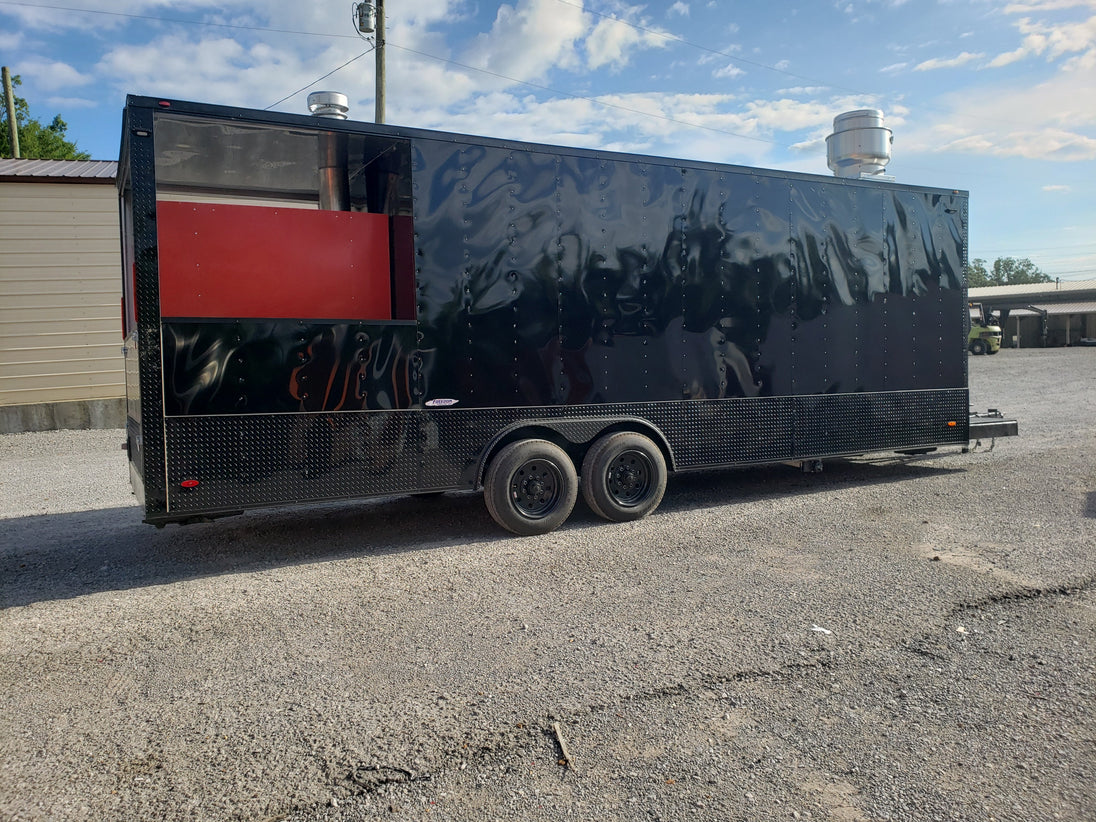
column 13, row 126
column 369, row 19
column 379, row 116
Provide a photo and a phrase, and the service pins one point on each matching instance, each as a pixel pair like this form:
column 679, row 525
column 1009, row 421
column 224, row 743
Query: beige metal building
column 60, row 291
column 1042, row 314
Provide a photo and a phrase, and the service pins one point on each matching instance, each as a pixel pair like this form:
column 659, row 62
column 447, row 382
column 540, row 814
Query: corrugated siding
column 60, row 289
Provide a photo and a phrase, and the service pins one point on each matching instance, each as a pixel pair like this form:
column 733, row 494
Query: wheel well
column 556, row 432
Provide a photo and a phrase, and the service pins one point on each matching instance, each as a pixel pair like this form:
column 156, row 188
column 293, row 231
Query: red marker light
column 164, row 104
column 189, row 483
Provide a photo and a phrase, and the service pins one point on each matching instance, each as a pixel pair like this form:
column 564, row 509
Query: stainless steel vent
column 329, row 104
column 860, row 145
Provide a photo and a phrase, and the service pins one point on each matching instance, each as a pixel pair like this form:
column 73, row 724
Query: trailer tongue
column 321, row 309
column 991, row 424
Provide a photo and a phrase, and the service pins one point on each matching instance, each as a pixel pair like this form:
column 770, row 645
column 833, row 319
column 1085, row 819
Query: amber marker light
column 950, row 425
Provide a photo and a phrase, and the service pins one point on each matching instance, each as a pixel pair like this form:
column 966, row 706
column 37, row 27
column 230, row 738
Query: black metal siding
column 749, row 315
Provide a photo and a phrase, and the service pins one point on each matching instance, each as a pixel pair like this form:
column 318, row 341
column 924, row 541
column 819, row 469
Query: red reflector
column 189, row 483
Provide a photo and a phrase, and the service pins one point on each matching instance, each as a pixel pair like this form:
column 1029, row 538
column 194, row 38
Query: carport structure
column 1042, row 314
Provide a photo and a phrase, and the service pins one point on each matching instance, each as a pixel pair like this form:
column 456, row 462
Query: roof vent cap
column 860, row 146
column 331, row 104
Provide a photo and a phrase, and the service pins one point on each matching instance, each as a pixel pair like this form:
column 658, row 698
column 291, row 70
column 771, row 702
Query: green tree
column 977, row 276
column 36, row 141
column 1005, row 271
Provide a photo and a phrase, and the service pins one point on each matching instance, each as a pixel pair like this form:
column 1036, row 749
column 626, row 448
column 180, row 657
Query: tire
column 623, row 476
column 977, row 347
column 993, row 350
column 530, row 487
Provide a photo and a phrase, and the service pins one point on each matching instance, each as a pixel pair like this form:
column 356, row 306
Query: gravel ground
column 889, row 639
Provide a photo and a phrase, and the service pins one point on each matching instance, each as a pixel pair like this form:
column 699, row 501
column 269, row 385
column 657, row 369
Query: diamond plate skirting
column 257, row 460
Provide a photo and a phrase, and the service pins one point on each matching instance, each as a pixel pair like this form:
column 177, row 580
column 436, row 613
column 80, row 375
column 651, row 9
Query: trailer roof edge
column 408, row 132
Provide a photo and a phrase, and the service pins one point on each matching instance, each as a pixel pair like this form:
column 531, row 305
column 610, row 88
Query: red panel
column 233, row 261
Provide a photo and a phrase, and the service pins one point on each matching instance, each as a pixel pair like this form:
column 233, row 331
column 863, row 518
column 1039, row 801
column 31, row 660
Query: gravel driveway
column 889, row 639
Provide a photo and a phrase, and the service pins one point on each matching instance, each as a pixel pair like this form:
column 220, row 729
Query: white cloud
column 1044, row 144
column 948, row 62
column 1058, row 188
column 10, row 40
column 1047, row 121
column 713, row 56
column 1051, row 120
column 529, row 39
column 1044, row 5
column 814, row 145
column 70, row 102
column 678, row 8
column 1053, row 40
column 612, row 42
column 893, row 68
column 230, row 67
column 50, row 75
column 114, row 14
column 791, row 115
column 220, row 69
column 702, row 126
column 728, row 71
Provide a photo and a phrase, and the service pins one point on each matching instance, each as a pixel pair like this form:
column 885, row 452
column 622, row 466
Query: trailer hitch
column 990, row 425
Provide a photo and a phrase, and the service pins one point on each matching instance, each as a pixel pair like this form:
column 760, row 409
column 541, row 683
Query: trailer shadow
column 61, row 556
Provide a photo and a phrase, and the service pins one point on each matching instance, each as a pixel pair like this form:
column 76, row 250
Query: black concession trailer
column 319, row 309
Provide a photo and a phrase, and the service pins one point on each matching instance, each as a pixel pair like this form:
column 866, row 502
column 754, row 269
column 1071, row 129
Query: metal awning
column 1054, row 309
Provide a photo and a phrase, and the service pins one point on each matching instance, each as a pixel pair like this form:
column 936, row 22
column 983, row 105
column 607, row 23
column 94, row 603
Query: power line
column 171, row 20
column 324, row 77
column 595, row 101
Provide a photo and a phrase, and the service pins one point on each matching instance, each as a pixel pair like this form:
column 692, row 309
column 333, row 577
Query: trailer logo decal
column 441, row 401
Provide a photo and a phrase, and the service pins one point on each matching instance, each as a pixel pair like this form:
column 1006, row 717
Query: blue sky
column 996, row 98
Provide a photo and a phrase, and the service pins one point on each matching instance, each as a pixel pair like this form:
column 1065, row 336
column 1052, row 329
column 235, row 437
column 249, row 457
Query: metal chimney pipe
column 332, row 162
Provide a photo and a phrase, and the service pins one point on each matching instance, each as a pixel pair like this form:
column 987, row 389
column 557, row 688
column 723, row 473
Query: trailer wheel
column 530, row 487
column 977, row 347
column 623, row 476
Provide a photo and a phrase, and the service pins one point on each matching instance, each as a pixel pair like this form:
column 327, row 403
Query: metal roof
column 46, row 170
column 1055, row 309
column 1033, row 291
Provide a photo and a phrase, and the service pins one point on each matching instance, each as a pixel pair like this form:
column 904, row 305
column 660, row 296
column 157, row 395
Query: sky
column 995, row 98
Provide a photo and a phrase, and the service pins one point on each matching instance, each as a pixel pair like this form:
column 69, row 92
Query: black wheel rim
column 536, row 488
column 629, row 479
